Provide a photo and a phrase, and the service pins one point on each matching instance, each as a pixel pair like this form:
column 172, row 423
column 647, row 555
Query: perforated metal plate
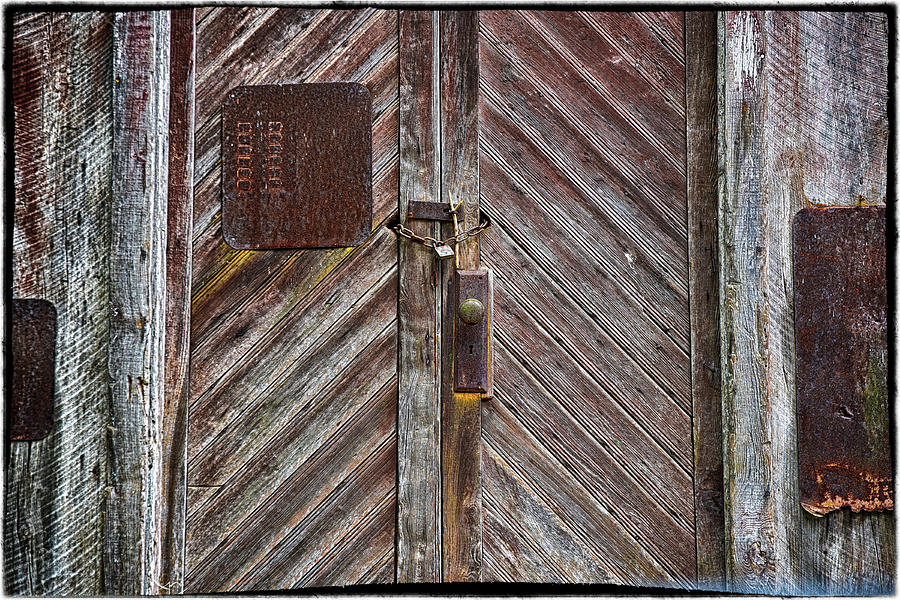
column 297, row 166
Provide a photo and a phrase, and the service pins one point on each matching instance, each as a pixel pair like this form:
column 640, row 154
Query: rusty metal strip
column 840, row 319
column 435, row 211
column 297, row 166
column 30, row 408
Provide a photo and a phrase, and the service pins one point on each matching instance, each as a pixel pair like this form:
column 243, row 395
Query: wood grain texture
column 420, row 306
column 803, row 120
column 61, row 95
column 138, row 228
column 292, row 424
column 701, row 81
column 582, row 164
column 171, row 494
column 460, row 412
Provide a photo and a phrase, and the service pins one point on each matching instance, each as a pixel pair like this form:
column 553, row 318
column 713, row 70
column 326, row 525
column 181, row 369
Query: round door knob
column 471, row 311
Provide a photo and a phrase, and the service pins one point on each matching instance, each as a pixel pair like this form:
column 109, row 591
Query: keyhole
column 471, row 349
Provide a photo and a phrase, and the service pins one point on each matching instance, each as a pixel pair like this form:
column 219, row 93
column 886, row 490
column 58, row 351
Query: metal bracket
column 30, row 408
column 840, row 320
column 425, row 209
column 473, row 306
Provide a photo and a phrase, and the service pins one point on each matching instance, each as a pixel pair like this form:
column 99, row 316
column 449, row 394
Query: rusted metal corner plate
column 840, row 320
column 30, row 407
column 297, row 166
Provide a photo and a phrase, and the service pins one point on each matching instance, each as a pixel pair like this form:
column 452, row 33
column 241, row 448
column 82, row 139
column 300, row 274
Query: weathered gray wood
column 701, row 78
column 138, row 226
column 803, row 120
column 461, row 412
column 170, row 497
column 419, row 307
column 53, row 526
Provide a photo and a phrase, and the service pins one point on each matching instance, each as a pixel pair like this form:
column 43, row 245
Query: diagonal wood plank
column 293, row 383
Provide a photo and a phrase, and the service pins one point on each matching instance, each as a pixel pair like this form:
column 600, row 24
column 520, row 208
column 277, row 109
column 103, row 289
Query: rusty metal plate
column 427, row 210
column 30, row 408
column 297, row 166
column 472, row 358
column 840, row 319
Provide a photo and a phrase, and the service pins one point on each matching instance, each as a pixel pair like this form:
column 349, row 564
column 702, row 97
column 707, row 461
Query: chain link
column 431, row 242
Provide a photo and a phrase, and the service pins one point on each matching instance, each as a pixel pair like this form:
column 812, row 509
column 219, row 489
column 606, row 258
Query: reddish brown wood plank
column 324, row 414
column 226, row 326
column 172, row 490
column 527, row 538
column 702, row 78
column 293, row 353
column 336, row 460
column 460, row 412
column 591, row 520
column 349, row 559
column 583, row 174
column 249, row 395
column 420, row 306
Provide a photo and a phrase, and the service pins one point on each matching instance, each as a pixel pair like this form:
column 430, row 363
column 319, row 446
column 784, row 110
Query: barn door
column 327, row 445
column 568, row 130
column 292, row 437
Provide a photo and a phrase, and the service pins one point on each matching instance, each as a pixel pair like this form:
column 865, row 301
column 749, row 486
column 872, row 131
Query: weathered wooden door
column 292, row 436
column 587, row 445
column 585, row 451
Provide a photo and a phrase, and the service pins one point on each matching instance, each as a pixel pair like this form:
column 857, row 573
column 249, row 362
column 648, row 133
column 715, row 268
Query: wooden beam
column 171, row 494
column 60, row 240
column 137, row 295
column 419, row 307
column 461, row 413
column 701, row 72
column 803, row 121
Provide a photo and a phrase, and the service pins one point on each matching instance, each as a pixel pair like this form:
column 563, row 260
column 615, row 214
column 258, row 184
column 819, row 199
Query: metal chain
column 431, row 242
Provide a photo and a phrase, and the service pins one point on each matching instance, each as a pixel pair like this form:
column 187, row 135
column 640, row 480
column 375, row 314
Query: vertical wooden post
column 61, row 64
column 803, row 116
column 461, row 426
column 419, row 310
column 138, row 229
column 701, row 72
column 171, row 494
column 439, row 431
column 89, row 509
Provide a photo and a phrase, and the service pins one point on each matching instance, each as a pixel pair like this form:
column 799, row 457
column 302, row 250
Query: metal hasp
column 30, row 408
column 428, row 210
column 472, row 303
column 297, row 166
column 840, row 321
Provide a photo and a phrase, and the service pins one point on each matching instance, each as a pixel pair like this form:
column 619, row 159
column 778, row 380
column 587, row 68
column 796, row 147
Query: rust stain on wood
column 33, row 354
column 297, row 166
column 840, row 312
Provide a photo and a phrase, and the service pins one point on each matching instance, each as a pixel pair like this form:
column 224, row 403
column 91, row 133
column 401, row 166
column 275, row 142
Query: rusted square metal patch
column 33, row 340
column 297, row 166
column 840, row 320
